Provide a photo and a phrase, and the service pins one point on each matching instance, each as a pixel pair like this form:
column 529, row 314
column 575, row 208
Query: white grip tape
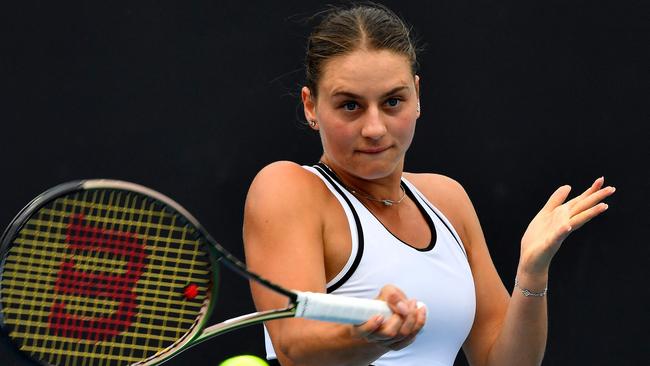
column 339, row 309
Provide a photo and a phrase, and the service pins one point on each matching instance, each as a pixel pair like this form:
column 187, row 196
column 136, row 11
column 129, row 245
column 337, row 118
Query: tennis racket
column 105, row 272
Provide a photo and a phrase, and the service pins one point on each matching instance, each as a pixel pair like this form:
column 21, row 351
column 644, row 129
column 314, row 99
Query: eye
column 393, row 102
column 350, row 106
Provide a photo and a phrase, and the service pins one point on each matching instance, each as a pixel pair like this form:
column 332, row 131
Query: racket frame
column 21, row 219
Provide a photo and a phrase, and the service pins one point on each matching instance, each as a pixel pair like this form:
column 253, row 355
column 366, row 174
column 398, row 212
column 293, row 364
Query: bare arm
column 284, row 223
column 512, row 330
column 522, row 339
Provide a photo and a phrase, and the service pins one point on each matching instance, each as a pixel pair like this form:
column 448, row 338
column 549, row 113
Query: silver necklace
column 356, row 192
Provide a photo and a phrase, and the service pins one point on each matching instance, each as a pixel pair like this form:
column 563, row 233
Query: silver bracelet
column 526, row 292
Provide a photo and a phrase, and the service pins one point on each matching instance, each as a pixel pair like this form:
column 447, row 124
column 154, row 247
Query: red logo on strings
column 81, row 239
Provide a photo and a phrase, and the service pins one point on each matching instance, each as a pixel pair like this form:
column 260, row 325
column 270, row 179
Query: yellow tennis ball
column 245, row 360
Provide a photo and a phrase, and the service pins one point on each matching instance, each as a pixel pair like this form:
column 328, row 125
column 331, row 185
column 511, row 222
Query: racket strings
column 96, row 278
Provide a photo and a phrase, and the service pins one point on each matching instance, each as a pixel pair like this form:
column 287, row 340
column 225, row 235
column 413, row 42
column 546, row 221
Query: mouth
column 373, row 150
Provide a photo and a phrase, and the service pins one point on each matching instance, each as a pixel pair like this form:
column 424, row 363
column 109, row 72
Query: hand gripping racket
column 104, row 272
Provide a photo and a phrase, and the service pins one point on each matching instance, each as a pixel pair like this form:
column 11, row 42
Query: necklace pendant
column 387, row 202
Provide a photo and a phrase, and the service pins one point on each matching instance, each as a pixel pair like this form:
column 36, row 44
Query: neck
column 384, row 191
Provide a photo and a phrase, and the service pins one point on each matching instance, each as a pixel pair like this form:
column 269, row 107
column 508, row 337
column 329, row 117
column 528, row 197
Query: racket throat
column 243, row 321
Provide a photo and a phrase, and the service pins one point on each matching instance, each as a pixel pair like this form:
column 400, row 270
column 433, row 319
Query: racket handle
column 340, row 309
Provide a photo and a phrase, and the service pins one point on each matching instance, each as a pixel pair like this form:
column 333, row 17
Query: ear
column 308, row 104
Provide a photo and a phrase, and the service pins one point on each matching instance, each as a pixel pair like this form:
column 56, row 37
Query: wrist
column 528, row 292
column 533, row 265
column 531, row 285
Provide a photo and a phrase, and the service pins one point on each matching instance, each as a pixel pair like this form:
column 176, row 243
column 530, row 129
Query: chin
column 372, row 171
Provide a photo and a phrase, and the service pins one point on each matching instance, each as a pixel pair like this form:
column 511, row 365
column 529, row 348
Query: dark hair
column 360, row 26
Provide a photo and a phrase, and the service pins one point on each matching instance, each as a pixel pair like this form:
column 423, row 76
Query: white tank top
column 438, row 275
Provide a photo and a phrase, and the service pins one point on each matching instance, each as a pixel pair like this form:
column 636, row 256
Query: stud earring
column 417, row 109
column 312, row 123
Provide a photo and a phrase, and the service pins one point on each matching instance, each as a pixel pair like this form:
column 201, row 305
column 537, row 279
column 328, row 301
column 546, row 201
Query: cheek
column 333, row 130
column 339, row 138
column 336, row 136
column 406, row 128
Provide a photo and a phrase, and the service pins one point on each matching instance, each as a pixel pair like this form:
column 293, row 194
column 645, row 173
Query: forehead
column 365, row 72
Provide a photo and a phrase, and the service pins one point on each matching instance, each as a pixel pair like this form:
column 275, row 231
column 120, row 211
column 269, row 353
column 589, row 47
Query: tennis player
column 356, row 224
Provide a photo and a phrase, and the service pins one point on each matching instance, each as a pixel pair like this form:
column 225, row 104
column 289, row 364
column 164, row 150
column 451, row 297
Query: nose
column 373, row 125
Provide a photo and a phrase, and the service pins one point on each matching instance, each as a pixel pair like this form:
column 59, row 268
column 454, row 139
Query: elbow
column 286, row 354
column 289, row 352
column 292, row 341
column 523, row 360
column 297, row 351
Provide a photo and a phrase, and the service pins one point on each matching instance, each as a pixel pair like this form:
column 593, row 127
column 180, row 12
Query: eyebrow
column 355, row 96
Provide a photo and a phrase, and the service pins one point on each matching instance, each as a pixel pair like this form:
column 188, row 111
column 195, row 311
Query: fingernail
column 380, row 319
column 613, row 189
column 605, row 206
column 402, row 307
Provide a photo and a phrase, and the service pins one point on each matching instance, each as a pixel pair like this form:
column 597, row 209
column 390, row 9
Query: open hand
column 557, row 220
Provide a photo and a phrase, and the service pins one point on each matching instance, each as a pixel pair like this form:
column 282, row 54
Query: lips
column 374, row 150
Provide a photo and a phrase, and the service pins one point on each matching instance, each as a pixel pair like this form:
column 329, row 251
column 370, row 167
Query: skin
column 296, row 232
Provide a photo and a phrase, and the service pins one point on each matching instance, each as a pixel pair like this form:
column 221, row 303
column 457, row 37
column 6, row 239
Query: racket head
column 105, row 272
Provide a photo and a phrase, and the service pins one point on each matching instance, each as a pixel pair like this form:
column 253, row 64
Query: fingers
column 402, row 328
column 598, row 183
column 401, row 324
column 366, row 329
column 585, row 216
column 392, row 295
column 586, row 206
column 591, row 200
column 404, row 318
column 420, row 319
column 410, row 315
column 398, row 330
column 557, row 198
column 556, row 221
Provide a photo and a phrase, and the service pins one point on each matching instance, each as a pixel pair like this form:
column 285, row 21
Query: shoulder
column 449, row 196
column 284, row 176
column 283, row 229
column 281, row 172
column 441, row 190
column 284, row 185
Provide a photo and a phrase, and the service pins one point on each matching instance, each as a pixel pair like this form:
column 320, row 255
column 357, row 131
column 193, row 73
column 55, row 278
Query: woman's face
column 366, row 109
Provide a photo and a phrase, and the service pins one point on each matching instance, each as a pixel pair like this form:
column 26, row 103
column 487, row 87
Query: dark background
column 193, row 98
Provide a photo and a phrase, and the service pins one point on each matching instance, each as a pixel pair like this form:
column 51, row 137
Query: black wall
column 193, row 98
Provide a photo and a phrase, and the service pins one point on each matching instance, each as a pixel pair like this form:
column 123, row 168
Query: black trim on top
column 427, row 217
column 407, row 191
column 462, row 248
column 322, row 169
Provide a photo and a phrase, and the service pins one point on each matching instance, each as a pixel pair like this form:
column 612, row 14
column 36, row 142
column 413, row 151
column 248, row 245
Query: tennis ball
column 245, row 360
